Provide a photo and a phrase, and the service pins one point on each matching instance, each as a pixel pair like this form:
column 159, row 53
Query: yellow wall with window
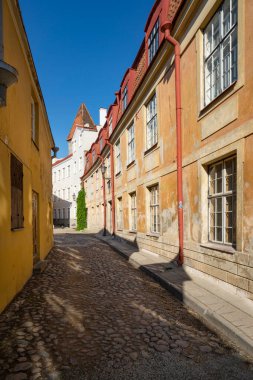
column 16, row 247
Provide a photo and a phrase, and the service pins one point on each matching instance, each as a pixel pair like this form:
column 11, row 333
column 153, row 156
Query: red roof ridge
column 62, row 159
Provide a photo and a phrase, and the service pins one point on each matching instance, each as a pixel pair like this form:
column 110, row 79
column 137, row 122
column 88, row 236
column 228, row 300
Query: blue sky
column 81, row 51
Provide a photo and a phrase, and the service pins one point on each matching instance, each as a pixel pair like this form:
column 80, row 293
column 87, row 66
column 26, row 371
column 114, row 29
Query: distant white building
column 68, row 170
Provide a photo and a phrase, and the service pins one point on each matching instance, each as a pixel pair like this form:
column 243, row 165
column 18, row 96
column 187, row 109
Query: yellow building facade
column 216, row 85
column 26, row 233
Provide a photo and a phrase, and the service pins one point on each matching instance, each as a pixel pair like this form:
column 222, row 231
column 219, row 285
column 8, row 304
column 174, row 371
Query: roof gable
column 82, row 120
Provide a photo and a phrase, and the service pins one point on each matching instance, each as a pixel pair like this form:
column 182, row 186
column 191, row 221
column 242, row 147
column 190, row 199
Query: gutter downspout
column 104, row 196
column 166, row 29
column 112, row 181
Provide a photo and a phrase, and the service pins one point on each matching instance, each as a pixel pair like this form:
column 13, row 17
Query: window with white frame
column 110, row 125
column 118, row 157
column 68, row 170
column 97, row 181
column 59, row 175
column 133, row 210
column 34, row 122
column 120, row 215
column 63, row 173
column 101, row 144
column 74, row 145
column 152, row 135
column 108, row 170
column 124, row 98
column 131, row 144
column 153, row 41
column 222, row 201
column 154, row 209
column 93, row 156
column 220, row 50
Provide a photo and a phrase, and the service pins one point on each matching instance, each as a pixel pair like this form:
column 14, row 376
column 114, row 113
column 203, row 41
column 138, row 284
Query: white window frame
column 133, row 212
column 120, row 214
column 153, row 41
column 118, row 157
column 154, row 209
column 221, row 51
column 33, row 121
column 125, row 98
column 131, row 144
column 151, row 123
column 217, row 201
column 110, row 126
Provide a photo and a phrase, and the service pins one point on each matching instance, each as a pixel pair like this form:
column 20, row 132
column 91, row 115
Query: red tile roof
column 82, row 120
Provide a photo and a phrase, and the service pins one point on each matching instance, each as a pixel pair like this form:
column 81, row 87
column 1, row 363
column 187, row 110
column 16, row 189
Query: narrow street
column 91, row 315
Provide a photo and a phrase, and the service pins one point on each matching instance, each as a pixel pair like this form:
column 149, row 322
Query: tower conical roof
column 82, row 120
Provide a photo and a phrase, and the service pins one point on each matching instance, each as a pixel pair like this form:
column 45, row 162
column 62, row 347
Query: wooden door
column 35, row 209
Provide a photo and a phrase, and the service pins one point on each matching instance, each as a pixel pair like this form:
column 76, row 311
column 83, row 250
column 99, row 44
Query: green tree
column 81, row 211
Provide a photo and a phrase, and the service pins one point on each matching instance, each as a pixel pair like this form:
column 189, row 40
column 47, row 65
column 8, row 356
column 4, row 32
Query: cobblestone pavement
column 91, row 315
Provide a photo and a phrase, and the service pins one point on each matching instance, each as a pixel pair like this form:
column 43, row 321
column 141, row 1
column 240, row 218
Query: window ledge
column 17, row 229
column 132, row 232
column 153, row 234
column 219, row 247
column 149, row 150
column 132, row 163
column 35, row 144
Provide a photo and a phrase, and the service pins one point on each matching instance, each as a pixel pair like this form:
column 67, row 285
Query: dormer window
column 153, row 42
column 101, row 144
column 110, row 126
column 124, row 98
column 93, row 156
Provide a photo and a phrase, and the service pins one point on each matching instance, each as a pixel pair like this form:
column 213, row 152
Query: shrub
column 81, row 211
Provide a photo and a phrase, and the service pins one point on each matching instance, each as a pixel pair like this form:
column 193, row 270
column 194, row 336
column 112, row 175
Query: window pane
column 226, row 62
column 219, row 234
column 219, row 219
column 229, row 235
column 216, row 74
column 216, row 30
column 226, row 17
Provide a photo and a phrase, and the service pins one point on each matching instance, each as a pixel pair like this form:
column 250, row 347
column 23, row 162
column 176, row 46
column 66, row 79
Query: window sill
column 153, row 234
column 17, row 229
column 205, row 110
column 132, row 232
column 120, row 229
column 132, row 163
column 149, row 150
column 219, row 247
column 35, row 144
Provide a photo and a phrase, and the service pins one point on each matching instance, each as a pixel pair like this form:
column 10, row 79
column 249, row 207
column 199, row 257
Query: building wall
column 81, row 141
column 222, row 129
column 16, row 247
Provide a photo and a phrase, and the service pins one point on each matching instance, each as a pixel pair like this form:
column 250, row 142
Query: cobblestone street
column 91, row 315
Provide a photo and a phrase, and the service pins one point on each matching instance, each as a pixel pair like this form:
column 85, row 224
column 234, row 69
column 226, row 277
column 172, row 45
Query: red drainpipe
column 112, row 183
column 166, row 28
column 104, row 196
